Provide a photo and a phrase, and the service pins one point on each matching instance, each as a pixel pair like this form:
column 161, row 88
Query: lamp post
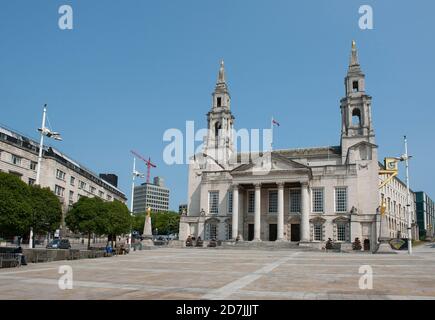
column 406, row 158
column 50, row 134
column 135, row 174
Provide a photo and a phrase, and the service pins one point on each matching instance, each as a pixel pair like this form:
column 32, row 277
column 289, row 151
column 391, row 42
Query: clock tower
column 356, row 108
column 219, row 141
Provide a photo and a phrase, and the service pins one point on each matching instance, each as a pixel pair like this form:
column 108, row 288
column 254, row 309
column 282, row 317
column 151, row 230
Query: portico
column 262, row 208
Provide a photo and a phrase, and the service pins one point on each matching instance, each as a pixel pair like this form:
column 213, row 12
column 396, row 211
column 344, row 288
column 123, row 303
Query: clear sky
column 129, row 70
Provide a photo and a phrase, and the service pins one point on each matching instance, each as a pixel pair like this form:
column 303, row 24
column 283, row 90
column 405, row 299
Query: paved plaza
column 190, row 273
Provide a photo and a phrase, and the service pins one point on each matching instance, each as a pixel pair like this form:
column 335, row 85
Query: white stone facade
column 302, row 195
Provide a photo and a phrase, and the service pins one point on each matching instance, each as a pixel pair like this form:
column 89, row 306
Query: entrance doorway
column 366, row 244
column 273, row 232
column 250, row 232
column 295, row 234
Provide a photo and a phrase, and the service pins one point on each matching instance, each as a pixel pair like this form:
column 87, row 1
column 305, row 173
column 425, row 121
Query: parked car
column 59, row 244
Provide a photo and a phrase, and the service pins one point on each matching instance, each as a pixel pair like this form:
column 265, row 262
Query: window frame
column 16, row 160
column 230, row 201
column 249, row 193
column 60, row 176
column 269, row 201
column 336, row 200
column 315, row 226
column 291, row 202
column 210, row 204
column 344, row 231
column 313, row 201
column 59, row 188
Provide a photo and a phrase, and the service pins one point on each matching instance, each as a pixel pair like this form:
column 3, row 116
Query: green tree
column 138, row 222
column 15, row 208
column 87, row 216
column 46, row 210
column 117, row 219
column 165, row 222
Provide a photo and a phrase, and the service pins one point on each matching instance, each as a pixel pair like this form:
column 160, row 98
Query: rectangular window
column 213, row 202
column 101, row 194
column 109, row 197
column 341, row 199
column 92, row 189
column 31, row 181
column 72, row 181
column 16, row 159
column 59, row 191
column 60, row 174
column 230, row 202
column 33, row 165
column 295, row 200
column 82, row 185
column 229, row 231
column 71, row 198
column 341, row 232
column 273, row 201
column 251, row 201
column 317, row 199
column 317, row 232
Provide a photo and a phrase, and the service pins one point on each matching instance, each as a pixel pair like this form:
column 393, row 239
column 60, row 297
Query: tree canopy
column 165, row 222
column 117, row 219
column 46, row 210
column 15, row 208
column 94, row 216
column 87, row 216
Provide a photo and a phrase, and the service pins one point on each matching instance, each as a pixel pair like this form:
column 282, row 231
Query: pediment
column 212, row 220
column 342, row 219
column 318, row 220
column 268, row 162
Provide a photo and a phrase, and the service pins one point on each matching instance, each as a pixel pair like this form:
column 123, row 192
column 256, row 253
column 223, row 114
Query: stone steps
column 265, row 245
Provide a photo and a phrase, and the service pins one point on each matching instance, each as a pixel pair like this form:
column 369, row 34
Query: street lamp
column 138, row 175
column 406, row 158
column 50, row 134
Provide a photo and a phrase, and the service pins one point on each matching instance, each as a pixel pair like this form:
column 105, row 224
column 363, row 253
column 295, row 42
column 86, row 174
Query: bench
column 10, row 260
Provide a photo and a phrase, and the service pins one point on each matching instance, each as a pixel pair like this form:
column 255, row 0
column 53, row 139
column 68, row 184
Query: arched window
column 217, row 127
column 356, row 117
column 355, row 86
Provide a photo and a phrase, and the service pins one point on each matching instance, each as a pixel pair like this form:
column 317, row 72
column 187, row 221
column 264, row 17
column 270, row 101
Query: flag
column 275, row 122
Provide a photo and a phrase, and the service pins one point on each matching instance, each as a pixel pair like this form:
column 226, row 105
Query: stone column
column 235, row 211
column 257, row 221
column 305, row 214
column 280, row 228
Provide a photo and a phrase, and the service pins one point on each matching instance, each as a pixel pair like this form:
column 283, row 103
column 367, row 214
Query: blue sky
column 129, row 70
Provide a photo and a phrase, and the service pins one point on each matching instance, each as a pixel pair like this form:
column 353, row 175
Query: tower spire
column 221, row 84
column 221, row 76
column 354, row 64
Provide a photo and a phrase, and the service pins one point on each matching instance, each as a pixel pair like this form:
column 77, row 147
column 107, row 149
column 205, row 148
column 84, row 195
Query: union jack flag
column 275, row 122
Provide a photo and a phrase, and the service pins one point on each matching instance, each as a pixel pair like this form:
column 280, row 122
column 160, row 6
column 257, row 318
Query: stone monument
column 384, row 237
column 147, row 230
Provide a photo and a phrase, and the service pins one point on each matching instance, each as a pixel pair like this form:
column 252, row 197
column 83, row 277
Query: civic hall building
column 304, row 196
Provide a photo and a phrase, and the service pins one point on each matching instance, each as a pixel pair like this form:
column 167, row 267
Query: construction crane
column 148, row 163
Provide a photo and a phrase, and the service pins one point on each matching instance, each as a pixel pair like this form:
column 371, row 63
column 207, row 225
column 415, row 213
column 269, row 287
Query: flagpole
column 271, row 128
